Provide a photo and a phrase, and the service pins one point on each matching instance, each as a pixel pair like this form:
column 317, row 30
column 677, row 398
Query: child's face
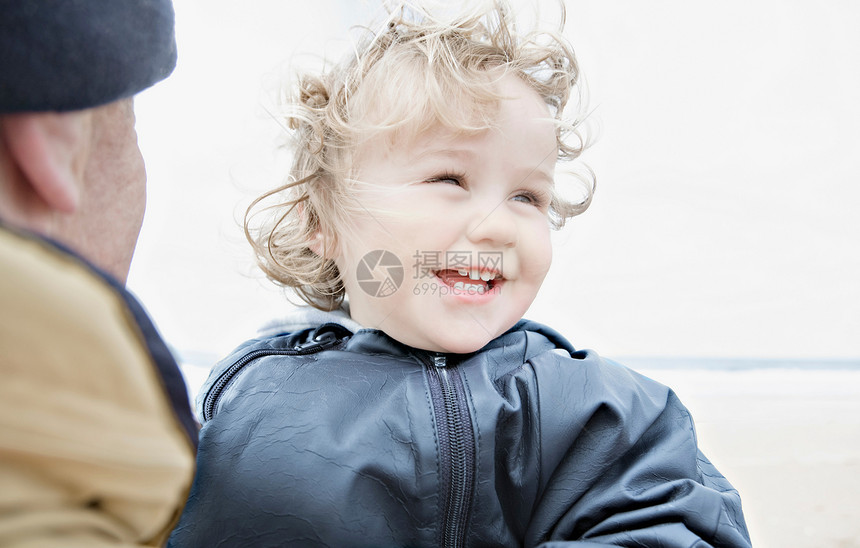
column 446, row 206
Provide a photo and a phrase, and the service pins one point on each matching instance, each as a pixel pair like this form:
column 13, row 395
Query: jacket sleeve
column 622, row 467
column 92, row 450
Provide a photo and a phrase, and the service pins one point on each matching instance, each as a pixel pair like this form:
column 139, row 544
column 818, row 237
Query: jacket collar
column 371, row 341
column 307, row 317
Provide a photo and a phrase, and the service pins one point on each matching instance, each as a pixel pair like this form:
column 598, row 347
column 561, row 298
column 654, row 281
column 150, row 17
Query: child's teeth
column 473, row 275
column 463, row 272
column 487, row 276
column 470, row 289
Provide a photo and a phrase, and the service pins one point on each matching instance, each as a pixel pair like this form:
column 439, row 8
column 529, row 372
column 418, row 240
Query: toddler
column 409, row 404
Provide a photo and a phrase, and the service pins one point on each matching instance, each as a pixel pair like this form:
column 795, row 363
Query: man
column 96, row 435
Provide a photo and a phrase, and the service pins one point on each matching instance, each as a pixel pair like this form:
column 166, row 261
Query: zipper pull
column 439, row 360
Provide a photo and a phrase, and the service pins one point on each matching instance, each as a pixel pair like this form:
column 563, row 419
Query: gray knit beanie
column 58, row 55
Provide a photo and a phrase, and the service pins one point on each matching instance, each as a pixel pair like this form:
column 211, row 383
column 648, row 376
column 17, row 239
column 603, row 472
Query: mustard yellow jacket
column 97, row 439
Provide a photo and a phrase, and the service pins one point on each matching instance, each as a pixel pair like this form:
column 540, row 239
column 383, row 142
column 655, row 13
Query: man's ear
column 50, row 149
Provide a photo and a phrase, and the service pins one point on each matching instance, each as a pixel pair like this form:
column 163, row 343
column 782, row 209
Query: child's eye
column 532, row 198
column 456, row 180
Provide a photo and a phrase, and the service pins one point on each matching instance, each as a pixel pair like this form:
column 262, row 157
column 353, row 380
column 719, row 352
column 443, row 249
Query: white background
column 724, row 222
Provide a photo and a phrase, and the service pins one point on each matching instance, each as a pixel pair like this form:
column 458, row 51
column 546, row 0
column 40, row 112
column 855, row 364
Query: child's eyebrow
column 538, row 174
column 460, row 153
column 541, row 171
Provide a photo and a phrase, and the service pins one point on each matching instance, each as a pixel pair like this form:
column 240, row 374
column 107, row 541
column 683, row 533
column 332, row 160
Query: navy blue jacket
column 323, row 437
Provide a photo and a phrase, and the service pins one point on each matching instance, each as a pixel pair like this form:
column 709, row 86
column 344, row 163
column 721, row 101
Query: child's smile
column 473, row 281
column 466, row 216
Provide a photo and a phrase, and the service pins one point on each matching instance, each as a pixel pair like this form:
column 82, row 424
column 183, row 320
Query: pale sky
column 728, row 175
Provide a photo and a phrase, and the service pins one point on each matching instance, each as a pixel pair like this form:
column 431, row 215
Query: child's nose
column 493, row 225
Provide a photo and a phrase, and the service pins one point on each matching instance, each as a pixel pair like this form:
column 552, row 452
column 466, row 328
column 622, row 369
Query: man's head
column 70, row 167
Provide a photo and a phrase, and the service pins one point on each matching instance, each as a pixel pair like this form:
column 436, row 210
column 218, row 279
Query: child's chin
column 454, row 345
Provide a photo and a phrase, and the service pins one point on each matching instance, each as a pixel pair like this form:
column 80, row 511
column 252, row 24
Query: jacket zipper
column 218, row 387
column 456, row 449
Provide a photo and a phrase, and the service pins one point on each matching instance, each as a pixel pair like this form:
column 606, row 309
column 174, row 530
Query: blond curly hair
column 418, row 71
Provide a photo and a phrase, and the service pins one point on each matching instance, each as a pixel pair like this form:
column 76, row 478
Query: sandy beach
column 789, row 441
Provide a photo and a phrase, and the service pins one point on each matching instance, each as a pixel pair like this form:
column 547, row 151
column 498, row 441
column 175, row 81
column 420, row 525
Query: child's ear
column 317, row 244
column 50, row 149
column 323, row 246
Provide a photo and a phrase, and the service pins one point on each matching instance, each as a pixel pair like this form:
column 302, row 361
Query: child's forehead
column 458, row 121
column 417, row 113
column 432, row 139
column 452, row 148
